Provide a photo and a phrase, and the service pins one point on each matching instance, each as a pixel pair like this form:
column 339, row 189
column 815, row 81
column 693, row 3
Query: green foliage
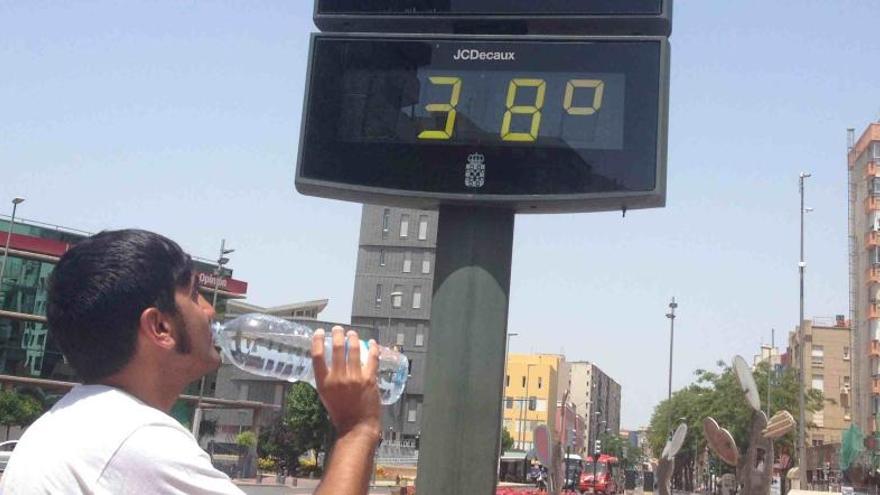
column 304, row 426
column 612, row 445
column 718, row 394
column 246, row 439
column 307, row 419
column 506, row 440
column 18, row 409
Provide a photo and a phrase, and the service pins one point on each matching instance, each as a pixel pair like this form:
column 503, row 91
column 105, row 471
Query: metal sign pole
column 464, row 372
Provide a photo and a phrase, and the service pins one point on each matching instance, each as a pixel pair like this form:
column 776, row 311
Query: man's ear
column 155, row 327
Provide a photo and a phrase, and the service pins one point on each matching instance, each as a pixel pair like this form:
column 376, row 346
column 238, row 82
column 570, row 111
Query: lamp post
column 218, row 271
column 15, row 203
column 522, row 411
column 596, row 450
column 506, row 374
column 671, row 316
column 802, row 265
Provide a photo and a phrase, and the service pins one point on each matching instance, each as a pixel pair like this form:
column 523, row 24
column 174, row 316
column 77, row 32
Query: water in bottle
column 277, row 348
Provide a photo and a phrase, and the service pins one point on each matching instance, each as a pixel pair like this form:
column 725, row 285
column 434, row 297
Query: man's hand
column 348, row 390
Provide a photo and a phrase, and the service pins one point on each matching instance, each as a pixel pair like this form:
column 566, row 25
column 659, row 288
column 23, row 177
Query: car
column 6, row 452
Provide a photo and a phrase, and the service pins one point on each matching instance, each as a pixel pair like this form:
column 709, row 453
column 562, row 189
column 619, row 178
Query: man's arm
column 351, row 397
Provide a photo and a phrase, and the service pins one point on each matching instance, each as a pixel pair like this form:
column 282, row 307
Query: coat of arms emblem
column 475, row 170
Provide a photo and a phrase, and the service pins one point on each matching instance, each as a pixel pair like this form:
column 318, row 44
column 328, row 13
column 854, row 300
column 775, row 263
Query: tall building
column 394, row 282
column 597, row 397
column 530, row 396
column 863, row 160
column 828, row 358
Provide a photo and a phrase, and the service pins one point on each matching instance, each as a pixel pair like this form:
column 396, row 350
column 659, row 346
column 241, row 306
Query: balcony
column 872, row 276
column 875, row 389
column 874, row 348
column 872, row 239
column 872, row 204
column 872, row 169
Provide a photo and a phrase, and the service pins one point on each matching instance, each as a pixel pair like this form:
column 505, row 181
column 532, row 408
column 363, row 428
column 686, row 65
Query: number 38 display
column 402, row 119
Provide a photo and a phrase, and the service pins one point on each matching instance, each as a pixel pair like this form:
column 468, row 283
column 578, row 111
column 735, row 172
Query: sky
column 183, row 117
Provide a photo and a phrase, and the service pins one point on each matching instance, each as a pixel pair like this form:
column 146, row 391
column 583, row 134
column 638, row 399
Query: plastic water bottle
column 277, row 348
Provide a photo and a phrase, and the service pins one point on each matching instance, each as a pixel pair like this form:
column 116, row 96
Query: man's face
column 193, row 322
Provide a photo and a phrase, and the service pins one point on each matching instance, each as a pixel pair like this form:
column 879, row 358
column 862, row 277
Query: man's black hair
column 99, row 289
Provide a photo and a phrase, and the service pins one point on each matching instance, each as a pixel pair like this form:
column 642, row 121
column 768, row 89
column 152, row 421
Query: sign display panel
column 633, row 17
column 537, row 124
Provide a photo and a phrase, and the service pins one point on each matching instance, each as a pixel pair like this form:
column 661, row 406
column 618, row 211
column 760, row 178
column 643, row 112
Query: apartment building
column 531, row 384
column 394, row 282
column 863, row 161
column 826, row 352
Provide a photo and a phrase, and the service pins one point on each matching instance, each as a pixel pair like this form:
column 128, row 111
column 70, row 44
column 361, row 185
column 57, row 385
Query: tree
column 307, row 420
column 718, row 394
column 18, row 409
column 506, row 440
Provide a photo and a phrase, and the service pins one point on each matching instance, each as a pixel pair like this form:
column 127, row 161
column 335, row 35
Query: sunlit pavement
column 297, row 486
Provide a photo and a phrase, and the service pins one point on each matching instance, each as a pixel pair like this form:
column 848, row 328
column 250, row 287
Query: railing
column 874, row 349
column 873, row 275
column 872, row 204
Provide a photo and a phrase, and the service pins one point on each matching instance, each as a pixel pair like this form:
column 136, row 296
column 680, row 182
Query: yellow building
column 530, row 395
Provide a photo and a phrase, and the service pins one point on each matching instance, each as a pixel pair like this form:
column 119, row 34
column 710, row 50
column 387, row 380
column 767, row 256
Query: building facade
column 394, row 282
column 828, row 368
column 531, row 386
column 597, row 397
column 863, row 161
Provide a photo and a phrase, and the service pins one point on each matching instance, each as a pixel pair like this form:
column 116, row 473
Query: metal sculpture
column 666, row 465
column 754, row 470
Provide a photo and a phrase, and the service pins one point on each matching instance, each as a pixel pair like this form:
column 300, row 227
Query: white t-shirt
column 101, row 440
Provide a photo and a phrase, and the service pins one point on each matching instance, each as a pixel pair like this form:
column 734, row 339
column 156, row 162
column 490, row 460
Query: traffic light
column 598, row 449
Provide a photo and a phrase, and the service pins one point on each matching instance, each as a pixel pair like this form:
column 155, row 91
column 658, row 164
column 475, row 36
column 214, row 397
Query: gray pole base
column 464, row 369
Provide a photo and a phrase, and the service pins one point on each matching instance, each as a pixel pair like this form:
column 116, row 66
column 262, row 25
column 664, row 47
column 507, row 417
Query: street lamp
column 671, row 316
column 506, row 374
column 522, row 412
column 802, row 265
column 222, row 260
column 15, row 203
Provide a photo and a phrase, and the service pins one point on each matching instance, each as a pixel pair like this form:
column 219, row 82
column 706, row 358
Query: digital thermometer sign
column 602, row 17
column 534, row 124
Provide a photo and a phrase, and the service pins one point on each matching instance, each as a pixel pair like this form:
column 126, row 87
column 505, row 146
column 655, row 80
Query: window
column 386, row 222
column 540, row 382
column 420, row 340
column 875, row 186
column 819, row 418
column 407, row 263
column 426, row 265
column 397, row 297
column 378, row 295
column 401, row 339
column 818, row 382
column 845, row 355
column 508, row 401
column 533, row 403
column 423, row 227
column 411, row 416
column 876, row 151
column 404, row 226
column 523, row 381
column 818, row 355
column 507, row 381
column 874, row 255
column 382, row 257
column 417, row 297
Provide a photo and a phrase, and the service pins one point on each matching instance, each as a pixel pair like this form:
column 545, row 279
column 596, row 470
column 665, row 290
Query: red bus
column 606, row 469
